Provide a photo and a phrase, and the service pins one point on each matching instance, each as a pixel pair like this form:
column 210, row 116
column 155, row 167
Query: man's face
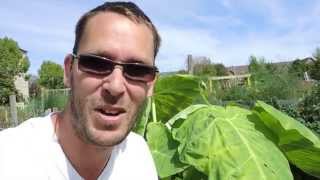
column 104, row 108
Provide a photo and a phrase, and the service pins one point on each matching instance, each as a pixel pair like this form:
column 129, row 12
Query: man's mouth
column 110, row 111
column 110, row 117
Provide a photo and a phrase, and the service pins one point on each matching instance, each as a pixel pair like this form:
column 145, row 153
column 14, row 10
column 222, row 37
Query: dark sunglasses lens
column 95, row 65
column 139, row 72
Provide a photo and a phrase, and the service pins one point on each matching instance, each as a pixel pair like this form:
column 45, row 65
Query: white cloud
column 177, row 43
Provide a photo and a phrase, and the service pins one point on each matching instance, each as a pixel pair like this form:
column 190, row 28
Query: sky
column 226, row 31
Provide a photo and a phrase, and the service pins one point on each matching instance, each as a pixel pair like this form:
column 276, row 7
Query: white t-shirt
column 31, row 151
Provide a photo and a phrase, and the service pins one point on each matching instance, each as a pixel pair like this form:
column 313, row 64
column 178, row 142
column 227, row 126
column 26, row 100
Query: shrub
column 309, row 109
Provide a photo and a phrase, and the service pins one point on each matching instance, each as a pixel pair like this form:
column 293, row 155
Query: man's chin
column 106, row 138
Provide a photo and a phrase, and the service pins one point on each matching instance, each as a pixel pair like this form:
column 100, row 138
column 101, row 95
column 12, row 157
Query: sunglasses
column 98, row 65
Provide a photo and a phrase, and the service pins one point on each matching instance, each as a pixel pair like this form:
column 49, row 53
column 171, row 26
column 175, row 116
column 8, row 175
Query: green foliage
column 11, row 64
column 221, row 70
column 54, row 99
column 34, row 87
column 204, row 70
column 182, row 72
column 164, row 150
column 51, row 75
column 209, row 69
column 298, row 67
column 265, row 86
column 315, row 69
column 7, row 88
column 215, row 142
column 170, row 99
column 223, row 143
column 256, row 64
column 36, row 106
column 174, row 93
column 11, row 61
column 192, row 173
column 289, row 107
column 24, row 64
column 238, row 94
column 309, row 109
column 306, row 110
column 270, row 82
column 310, row 106
column 300, row 145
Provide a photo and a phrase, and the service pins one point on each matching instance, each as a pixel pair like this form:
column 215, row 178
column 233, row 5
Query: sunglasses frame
column 123, row 66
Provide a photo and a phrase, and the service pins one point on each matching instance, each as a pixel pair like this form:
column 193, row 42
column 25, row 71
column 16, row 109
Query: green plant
column 315, row 68
column 55, row 99
column 33, row 108
column 51, row 75
column 272, row 82
column 12, row 63
column 207, row 68
column 298, row 67
column 239, row 94
column 309, row 109
column 205, row 141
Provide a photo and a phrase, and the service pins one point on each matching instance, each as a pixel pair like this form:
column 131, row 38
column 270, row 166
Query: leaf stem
column 154, row 113
column 147, row 113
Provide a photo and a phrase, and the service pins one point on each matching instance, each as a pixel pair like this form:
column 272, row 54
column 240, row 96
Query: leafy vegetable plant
column 191, row 140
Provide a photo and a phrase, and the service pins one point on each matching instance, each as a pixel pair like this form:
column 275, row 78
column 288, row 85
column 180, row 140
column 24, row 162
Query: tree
column 221, row 70
column 207, row 68
column 12, row 62
column 270, row 82
column 256, row 64
column 34, row 86
column 51, row 75
column 315, row 69
column 298, row 67
column 204, row 69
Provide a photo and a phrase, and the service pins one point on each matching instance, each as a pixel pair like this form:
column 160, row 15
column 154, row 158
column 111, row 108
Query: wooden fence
column 9, row 114
column 230, row 81
column 16, row 113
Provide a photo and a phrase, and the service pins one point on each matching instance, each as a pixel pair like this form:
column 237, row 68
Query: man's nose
column 114, row 83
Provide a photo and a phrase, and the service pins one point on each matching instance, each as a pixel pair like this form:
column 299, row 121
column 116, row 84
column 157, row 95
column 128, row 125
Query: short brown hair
column 128, row 9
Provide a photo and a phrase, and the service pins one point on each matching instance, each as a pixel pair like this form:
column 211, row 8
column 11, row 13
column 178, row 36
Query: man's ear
column 151, row 86
column 68, row 61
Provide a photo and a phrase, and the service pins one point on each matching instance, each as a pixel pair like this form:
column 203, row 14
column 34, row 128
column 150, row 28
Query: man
column 110, row 73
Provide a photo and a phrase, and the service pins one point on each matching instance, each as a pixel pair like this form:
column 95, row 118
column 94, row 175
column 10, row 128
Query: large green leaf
column 184, row 114
column 193, row 174
column 164, row 150
column 224, row 143
column 174, row 93
column 143, row 117
column 300, row 145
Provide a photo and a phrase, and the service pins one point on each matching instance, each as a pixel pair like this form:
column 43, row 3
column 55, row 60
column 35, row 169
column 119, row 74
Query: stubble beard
column 79, row 120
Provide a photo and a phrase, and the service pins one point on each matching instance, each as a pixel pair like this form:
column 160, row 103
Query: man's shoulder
column 135, row 138
column 133, row 141
column 31, row 127
column 22, row 148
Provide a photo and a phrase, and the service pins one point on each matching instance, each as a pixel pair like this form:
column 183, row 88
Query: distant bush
column 309, row 109
column 55, row 99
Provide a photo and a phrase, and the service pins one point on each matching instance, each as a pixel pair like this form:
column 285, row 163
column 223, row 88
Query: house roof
column 23, row 51
column 244, row 69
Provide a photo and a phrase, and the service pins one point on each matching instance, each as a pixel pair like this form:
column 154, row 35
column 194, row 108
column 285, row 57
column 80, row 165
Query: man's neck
column 87, row 159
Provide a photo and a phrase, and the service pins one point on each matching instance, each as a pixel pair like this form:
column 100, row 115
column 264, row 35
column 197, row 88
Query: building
column 236, row 70
column 21, row 84
column 193, row 60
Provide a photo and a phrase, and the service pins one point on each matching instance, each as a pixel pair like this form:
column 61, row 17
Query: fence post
column 6, row 115
column 13, row 110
